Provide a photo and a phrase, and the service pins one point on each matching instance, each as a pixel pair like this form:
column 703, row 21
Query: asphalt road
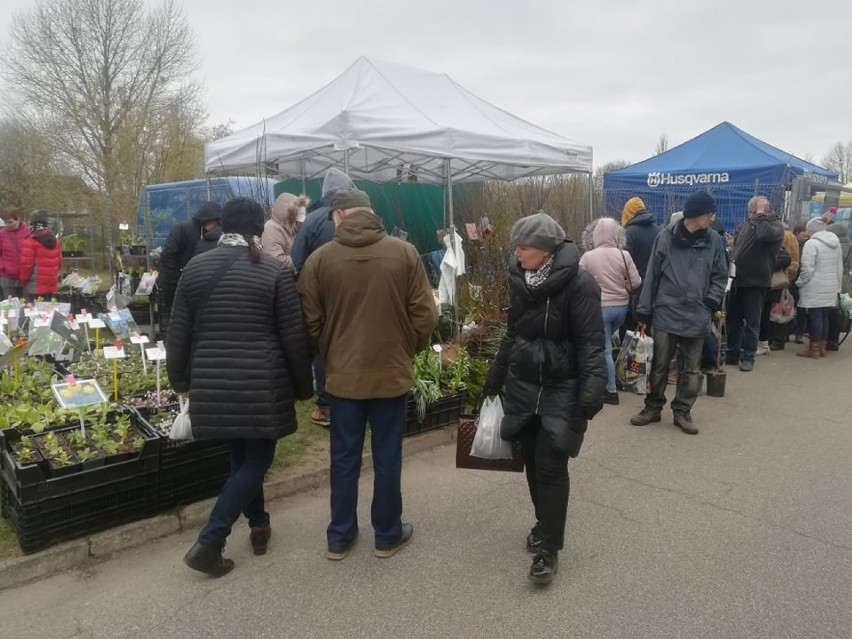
column 742, row 531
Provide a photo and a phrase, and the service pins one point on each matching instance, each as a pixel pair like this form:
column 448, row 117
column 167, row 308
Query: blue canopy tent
column 726, row 161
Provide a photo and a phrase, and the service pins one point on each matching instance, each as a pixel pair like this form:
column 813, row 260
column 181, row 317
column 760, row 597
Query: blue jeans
column 818, row 323
column 745, row 306
column 613, row 318
column 348, row 427
column 319, row 382
column 242, row 492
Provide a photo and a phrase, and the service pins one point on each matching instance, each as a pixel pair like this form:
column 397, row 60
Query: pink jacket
column 611, row 266
column 10, row 250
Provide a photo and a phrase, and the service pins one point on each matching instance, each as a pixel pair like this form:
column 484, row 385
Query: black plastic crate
column 34, row 483
column 176, row 453
column 444, row 412
column 192, row 482
column 49, row 521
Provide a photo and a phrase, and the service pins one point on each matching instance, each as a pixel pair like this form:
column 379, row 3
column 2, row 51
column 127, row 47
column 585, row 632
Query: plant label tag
column 41, row 320
column 83, row 318
column 81, row 392
column 96, row 323
column 139, row 339
column 155, row 354
column 30, row 312
column 111, row 352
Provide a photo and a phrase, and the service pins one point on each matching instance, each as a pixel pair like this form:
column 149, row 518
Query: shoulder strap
column 212, row 285
column 626, row 273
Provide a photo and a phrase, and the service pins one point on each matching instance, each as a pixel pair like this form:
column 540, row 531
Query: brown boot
column 811, row 351
column 823, row 345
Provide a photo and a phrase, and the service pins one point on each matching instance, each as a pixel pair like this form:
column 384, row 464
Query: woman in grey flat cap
column 551, row 362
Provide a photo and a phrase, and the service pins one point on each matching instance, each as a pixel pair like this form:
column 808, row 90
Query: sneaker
column 776, row 346
column 762, row 348
column 534, row 538
column 685, row 423
column 338, row 554
column 544, row 567
column 404, row 539
column 208, row 559
column 610, row 397
column 673, row 378
column 746, row 366
column 321, row 416
column 645, row 417
column 259, row 538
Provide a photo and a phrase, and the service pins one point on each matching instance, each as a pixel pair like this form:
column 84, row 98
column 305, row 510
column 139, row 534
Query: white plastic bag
column 633, row 364
column 487, row 443
column 181, row 427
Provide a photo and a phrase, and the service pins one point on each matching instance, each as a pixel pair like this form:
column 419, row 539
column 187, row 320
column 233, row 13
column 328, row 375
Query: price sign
column 155, row 354
column 96, row 323
column 113, row 352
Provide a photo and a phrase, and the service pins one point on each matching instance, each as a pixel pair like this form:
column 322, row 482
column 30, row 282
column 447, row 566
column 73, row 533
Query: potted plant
column 72, row 245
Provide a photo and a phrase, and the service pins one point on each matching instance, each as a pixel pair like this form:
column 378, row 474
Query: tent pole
column 453, row 247
column 346, row 161
column 302, row 169
column 209, row 186
column 591, row 197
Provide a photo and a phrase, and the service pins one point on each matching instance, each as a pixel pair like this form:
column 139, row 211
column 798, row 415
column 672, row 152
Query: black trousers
column 549, row 484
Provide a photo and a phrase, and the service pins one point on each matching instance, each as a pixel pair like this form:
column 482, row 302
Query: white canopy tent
column 379, row 119
column 385, row 122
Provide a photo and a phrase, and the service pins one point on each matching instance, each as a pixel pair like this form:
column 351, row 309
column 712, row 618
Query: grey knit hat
column 538, row 231
column 815, row 225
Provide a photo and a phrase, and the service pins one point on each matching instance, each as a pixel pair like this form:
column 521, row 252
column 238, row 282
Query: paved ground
column 742, row 531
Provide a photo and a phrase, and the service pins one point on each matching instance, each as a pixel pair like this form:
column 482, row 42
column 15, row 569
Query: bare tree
column 97, row 74
column 839, row 160
column 662, row 144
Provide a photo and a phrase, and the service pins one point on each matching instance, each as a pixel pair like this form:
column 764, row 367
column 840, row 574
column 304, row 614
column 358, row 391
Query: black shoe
column 610, row 397
column 544, row 566
column 534, row 538
column 208, row 559
column 645, row 417
column 685, row 423
column 338, row 554
column 776, row 346
column 259, row 538
column 404, row 539
column 799, row 340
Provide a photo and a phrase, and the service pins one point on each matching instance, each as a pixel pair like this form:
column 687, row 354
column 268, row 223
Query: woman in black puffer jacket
column 243, row 363
column 552, row 364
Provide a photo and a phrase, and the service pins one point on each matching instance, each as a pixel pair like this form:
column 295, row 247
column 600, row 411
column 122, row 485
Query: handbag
column 464, row 441
column 780, row 280
column 182, row 427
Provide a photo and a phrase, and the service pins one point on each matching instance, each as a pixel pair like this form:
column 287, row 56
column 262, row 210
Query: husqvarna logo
column 655, row 179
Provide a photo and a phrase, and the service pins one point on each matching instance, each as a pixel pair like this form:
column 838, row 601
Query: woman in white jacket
column 819, row 283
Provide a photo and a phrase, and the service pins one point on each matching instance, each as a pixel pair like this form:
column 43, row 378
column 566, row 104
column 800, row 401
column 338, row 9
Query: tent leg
column 302, row 168
column 591, row 198
column 209, row 187
column 346, row 161
column 453, row 247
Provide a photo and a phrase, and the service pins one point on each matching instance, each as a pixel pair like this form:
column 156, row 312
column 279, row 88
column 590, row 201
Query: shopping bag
column 181, row 427
column 633, row 364
column 464, row 440
column 487, row 443
column 784, row 310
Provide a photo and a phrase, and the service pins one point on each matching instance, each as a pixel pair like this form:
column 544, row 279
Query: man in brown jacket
column 369, row 309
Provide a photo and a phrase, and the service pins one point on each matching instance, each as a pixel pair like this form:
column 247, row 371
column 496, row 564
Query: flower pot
column 716, row 383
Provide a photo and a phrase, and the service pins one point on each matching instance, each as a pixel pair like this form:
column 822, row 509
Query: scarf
column 534, row 279
column 38, row 226
column 235, row 239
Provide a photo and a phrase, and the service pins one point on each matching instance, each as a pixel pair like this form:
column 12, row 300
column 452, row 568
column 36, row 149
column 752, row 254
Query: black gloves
column 590, row 411
column 711, row 305
column 493, row 382
column 490, row 390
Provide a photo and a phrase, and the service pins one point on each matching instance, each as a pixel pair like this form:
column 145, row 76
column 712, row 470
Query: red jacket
column 10, row 250
column 41, row 259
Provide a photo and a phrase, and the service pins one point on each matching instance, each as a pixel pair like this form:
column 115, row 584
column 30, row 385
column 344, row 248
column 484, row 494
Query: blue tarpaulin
column 725, row 160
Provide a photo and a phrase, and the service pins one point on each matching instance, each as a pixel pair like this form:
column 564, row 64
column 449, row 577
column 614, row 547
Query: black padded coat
column 552, row 357
column 249, row 360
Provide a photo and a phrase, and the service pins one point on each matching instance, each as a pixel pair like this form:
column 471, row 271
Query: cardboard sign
column 83, row 392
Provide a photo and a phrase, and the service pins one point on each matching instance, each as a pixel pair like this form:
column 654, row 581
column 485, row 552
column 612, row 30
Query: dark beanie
column 207, row 212
column 699, row 203
column 39, row 217
column 539, row 231
column 243, row 216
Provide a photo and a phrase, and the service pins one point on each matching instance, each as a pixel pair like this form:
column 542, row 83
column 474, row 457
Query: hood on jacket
column 360, row 228
column 46, row 238
column 827, row 238
column 289, row 209
column 606, row 233
column 642, row 217
column 588, row 239
column 207, row 212
column 335, row 180
column 840, row 231
column 632, row 207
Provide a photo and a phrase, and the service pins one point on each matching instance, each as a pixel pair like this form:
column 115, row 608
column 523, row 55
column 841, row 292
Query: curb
column 80, row 552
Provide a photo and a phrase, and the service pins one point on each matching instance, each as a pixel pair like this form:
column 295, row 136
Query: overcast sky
column 613, row 74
